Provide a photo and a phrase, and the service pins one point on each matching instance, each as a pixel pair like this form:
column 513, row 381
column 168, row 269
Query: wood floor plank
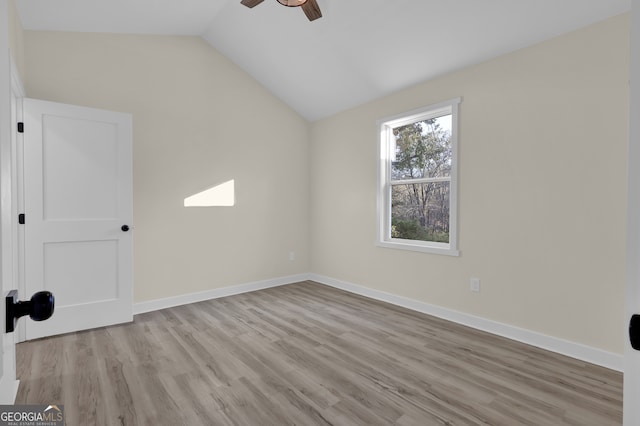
column 306, row 354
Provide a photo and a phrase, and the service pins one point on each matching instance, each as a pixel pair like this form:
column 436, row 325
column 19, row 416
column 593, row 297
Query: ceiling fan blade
column 251, row 3
column 312, row 10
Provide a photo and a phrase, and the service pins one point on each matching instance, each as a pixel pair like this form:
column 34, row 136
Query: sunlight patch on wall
column 222, row 195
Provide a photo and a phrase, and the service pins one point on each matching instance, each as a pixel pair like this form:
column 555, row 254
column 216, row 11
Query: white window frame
column 386, row 152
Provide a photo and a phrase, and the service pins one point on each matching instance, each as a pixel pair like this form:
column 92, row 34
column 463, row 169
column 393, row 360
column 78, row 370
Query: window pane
column 420, row 211
column 423, row 149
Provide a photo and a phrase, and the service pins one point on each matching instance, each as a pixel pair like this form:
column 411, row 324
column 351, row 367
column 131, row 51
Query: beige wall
column 16, row 37
column 198, row 121
column 542, row 195
column 542, row 176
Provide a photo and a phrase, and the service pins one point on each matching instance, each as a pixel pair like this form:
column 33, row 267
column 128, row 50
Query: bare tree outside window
column 423, row 153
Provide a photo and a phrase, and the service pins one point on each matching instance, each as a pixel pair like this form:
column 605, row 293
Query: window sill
column 436, row 248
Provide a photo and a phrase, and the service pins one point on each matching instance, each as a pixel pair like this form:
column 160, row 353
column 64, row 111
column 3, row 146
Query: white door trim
column 632, row 357
column 18, row 194
column 11, row 90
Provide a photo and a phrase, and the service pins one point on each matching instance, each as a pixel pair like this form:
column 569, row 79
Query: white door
column 632, row 357
column 78, row 205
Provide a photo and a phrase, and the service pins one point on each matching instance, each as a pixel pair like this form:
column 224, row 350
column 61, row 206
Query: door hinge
column 21, row 218
column 21, row 127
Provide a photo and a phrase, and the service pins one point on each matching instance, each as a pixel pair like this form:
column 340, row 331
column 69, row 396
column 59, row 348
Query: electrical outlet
column 475, row 285
column 292, row 255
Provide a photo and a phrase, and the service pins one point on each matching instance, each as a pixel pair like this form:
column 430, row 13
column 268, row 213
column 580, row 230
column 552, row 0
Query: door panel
column 94, row 265
column 73, row 148
column 78, row 194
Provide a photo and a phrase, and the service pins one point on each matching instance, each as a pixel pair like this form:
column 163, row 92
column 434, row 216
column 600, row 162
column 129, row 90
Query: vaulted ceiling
column 358, row 51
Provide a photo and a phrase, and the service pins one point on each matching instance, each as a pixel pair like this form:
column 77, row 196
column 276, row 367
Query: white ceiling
column 358, row 51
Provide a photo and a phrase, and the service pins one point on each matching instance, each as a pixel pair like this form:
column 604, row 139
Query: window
column 418, row 180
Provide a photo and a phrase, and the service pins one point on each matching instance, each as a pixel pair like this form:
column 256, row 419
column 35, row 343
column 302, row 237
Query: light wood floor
column 306, row 354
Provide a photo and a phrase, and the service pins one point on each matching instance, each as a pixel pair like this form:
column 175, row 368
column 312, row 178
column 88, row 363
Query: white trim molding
column 216, row 293
column 8, row 390
column 579, row 351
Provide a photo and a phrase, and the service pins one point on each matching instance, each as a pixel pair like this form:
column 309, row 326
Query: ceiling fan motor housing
column 292, row 3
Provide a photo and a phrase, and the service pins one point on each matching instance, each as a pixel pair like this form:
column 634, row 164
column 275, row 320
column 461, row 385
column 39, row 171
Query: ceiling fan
column 309, row 7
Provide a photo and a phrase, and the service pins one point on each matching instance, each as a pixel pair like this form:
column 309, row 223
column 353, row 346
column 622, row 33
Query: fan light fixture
column 292, row 3
column 309, row 7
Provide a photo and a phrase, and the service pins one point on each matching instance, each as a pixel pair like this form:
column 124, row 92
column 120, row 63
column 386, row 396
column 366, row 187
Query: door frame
column 17, row 196
column 10, row 112
column 631, row 393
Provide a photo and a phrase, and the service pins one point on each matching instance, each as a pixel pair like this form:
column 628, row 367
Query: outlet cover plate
column 475, row 285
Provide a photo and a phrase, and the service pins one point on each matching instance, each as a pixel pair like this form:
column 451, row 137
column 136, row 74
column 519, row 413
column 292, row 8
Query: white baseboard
column 8, row 391
column 184, row 299
column 574, row 350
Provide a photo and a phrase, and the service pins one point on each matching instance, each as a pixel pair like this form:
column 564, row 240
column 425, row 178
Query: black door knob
column 125, row 228
column 42, row 305
column 39, row 308
column 634, row 332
